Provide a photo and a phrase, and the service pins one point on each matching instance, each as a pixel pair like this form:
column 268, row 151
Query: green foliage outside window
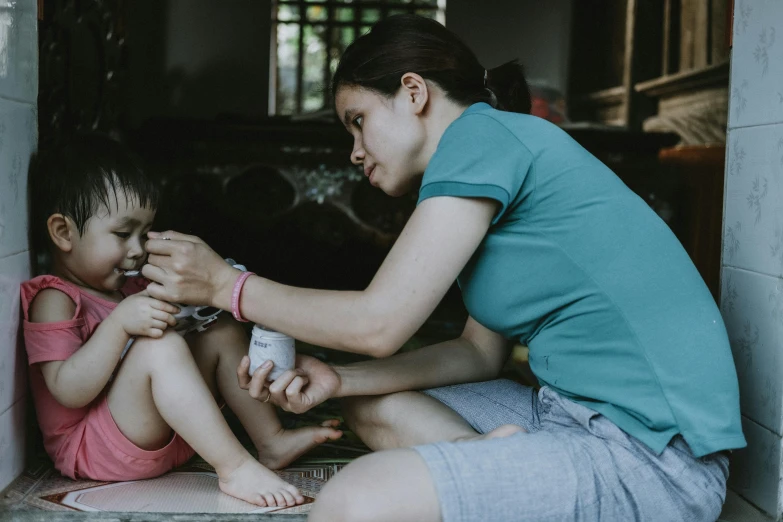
column 311, row 35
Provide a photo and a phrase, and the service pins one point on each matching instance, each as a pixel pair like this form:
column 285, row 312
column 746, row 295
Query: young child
column 104, row 417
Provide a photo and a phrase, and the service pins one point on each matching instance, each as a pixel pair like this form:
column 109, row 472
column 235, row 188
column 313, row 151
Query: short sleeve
column 478, row 157
column 51, row 341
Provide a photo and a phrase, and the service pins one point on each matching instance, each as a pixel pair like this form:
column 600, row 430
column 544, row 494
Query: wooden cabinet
column 658, row 65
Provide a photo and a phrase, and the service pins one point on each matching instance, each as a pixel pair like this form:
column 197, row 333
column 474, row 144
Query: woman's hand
column 183, row 269
column 297, row 390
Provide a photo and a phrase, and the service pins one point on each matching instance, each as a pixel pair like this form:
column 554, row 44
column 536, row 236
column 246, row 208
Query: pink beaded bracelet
column 235, row 296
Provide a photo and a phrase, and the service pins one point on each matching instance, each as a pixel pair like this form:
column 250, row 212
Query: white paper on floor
column 177, row 492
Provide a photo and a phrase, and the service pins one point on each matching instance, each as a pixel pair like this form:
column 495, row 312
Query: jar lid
column 262, row 327
column 264, row 331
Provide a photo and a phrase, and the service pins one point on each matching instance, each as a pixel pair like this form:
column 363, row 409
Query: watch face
column 206, row 312
column 195, row 318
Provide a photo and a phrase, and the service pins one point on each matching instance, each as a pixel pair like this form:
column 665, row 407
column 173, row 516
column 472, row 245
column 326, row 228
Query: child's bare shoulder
column 51, row 306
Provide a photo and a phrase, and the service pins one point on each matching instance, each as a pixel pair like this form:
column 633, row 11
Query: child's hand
column 143, row 315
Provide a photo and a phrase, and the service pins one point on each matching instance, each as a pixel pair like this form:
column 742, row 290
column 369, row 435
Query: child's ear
column 60, row 231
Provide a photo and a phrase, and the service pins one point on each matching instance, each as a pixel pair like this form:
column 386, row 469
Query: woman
column 639, row 399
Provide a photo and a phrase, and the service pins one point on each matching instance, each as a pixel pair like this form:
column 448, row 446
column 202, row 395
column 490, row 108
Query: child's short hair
column 80, row 177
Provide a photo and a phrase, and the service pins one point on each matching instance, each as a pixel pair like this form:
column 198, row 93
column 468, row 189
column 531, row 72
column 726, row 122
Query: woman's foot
column 288, row 445
column 253, row 483
column 506, row 430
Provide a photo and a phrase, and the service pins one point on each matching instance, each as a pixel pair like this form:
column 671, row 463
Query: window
column 309, row 36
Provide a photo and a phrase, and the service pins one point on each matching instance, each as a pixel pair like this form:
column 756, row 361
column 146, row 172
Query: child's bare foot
column 253, row 483
column 506, row 430
column 288, row 445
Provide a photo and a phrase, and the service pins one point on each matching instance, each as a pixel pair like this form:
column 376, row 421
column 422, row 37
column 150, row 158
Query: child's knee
column 169, row 348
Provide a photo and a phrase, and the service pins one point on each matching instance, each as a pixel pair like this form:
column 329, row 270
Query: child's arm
column 75, row 382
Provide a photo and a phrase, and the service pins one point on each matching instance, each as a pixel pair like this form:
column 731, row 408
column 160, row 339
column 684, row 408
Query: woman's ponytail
column 508, row 85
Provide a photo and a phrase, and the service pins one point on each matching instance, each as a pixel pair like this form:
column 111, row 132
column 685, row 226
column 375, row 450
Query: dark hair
column 78, row 178
column 410, row 43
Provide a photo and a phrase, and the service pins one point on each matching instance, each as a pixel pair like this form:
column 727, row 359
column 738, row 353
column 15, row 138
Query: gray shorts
column 572, row 465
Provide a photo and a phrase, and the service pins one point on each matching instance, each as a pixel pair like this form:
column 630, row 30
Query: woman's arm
column 477, row 355
column 435, row 245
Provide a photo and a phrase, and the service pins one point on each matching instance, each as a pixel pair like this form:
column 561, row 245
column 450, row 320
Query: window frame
column 330, row 24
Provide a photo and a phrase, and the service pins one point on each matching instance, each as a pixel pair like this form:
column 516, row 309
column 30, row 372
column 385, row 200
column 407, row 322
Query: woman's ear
column 60, row 231
column 416, row 91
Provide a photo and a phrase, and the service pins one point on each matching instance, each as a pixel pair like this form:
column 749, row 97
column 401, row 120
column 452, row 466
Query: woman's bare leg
column 389, row 486
column 405, row 419
column 159, row 388
column 402, row 420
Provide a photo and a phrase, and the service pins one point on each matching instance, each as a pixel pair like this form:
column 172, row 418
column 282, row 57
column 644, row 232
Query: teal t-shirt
column 579, row 268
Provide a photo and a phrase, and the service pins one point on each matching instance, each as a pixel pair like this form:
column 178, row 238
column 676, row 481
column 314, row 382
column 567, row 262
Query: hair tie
column 485, row 77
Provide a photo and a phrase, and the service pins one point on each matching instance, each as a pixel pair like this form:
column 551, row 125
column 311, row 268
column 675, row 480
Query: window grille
column 308, row 38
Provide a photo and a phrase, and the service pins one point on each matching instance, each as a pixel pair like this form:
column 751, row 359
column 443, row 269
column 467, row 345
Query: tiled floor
column 51, row 498
column 43, row 494
column 736, row 509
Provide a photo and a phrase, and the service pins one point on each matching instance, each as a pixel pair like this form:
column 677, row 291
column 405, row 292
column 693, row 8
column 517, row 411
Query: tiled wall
column 18, row 136
column 752, row 274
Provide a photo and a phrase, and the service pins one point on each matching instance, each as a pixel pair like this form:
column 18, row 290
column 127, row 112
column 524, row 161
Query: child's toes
column 331, row 423
column 270, row 499
column 296, row 494
column 329, row 434
column 289, row 498
column 326, row 433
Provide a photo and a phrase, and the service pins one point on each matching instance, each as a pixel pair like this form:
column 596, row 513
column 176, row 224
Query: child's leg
column 217, row 352
column 159, row 388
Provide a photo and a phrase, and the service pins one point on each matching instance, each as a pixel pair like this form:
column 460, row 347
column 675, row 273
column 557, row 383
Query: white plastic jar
column 269, row 345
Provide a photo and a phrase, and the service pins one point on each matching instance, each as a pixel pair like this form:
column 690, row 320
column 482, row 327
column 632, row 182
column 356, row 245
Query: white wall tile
column 757, row 63
column 737, row 509
column 755, row 470
column 12, row 443
column 19, row 50
column 752, row 308
column 752, row 288
column 13, row 372
column 18, row 134
column 753, row 217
